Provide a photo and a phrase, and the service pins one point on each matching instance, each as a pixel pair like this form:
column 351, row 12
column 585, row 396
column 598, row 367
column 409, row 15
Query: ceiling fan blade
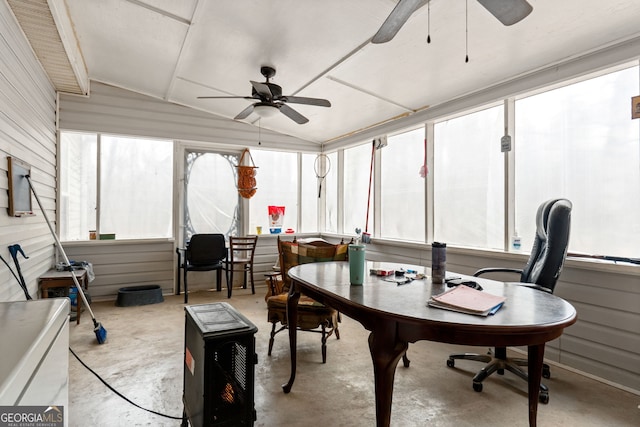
column 225, row 97
column 308, row 101
column 244, row 113
column 292, row 114
column 399, row 15
column 262, row 89
column 508, row 12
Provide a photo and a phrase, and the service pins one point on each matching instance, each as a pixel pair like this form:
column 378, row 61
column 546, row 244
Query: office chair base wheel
column 544, row 397
column 451, row 363
column 477, row 387
column 546, row 372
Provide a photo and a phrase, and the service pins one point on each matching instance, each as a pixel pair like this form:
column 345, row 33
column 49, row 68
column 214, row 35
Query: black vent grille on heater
column 229, row 381
column 219, row 366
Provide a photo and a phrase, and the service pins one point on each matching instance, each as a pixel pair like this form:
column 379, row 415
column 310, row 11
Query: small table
column 63, row 279
column 399, row 315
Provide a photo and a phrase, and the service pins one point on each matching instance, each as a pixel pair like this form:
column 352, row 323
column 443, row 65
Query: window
column 277, row 182
column 579, row 142
column 78, row 185
column 469, row 180
column 402, row 189
column 134, row 200
column 357, row 163
column 309, row 195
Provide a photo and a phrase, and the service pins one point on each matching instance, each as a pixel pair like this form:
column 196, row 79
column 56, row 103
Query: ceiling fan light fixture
column 265, row 111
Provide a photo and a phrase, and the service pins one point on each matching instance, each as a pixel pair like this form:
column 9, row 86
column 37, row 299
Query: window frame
column 99, row 184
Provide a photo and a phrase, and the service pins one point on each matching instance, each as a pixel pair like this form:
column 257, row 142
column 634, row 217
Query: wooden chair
column 240, row 259
column 312, row 316
column 204, row 252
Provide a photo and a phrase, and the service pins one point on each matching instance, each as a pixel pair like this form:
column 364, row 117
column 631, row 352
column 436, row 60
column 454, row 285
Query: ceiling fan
column 271, row 100
column 508, row 12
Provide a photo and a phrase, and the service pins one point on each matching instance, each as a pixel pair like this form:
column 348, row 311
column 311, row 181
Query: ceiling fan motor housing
column 276, row 92
column 267, row 72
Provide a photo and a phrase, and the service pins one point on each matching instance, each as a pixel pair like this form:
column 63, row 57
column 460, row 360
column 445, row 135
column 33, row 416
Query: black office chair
column 553, row 223
column 204, row 252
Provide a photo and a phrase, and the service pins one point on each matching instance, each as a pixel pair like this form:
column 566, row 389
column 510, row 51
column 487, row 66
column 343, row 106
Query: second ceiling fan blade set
column 269, row 95
column 508, row 12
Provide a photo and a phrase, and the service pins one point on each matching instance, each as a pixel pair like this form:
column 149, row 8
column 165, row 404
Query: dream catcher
column 321, row 166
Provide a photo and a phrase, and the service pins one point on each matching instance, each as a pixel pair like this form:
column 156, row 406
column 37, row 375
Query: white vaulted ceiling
column 179, row 50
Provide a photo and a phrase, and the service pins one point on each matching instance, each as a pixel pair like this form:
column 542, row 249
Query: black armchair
column 553, row 221
column 204, row 252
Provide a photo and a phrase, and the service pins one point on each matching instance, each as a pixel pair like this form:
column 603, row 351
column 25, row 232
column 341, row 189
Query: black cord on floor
column 117, row 392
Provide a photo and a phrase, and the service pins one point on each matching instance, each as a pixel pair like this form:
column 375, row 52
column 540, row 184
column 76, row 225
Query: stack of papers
column 467, row 300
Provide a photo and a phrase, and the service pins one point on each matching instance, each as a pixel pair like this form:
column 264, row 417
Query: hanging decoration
column 424, row 169
column 246, row 176
column 635, row 107
column 321, row 166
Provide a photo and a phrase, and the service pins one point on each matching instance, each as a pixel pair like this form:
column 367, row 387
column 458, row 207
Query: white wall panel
column 113, row 110
column 119, row 264
column 124, row 264
column 27, row 132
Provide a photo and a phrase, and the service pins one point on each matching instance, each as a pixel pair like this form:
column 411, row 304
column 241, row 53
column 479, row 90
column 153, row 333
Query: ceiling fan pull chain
column 429, row 22
column 466, row 31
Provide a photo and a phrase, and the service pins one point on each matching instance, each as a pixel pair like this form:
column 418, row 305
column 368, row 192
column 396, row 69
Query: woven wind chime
column 246, row 176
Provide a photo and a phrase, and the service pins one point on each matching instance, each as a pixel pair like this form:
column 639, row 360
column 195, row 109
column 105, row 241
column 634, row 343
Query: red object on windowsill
column 289, row 231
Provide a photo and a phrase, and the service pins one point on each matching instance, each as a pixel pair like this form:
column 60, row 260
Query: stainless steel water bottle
column 438, row 262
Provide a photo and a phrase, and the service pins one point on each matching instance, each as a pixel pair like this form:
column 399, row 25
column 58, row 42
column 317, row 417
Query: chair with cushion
column 241, row 252
column 204, row 252
column 312, row 316
column 541, row 272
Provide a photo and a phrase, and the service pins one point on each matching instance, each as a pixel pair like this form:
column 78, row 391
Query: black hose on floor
column 117, row 392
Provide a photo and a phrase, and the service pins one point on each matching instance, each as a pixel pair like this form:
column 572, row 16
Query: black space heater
column 219, row 367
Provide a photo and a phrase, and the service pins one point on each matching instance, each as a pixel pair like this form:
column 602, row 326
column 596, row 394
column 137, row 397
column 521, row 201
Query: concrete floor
column 143, row 360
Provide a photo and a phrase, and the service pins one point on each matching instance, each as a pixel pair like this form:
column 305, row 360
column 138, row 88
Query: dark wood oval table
column 397, row 315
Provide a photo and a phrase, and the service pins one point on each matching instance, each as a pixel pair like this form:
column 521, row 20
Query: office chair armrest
column 497, row 270
column 536, row 287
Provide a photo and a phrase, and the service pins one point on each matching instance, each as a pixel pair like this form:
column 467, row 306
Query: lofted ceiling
column 179, row 50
